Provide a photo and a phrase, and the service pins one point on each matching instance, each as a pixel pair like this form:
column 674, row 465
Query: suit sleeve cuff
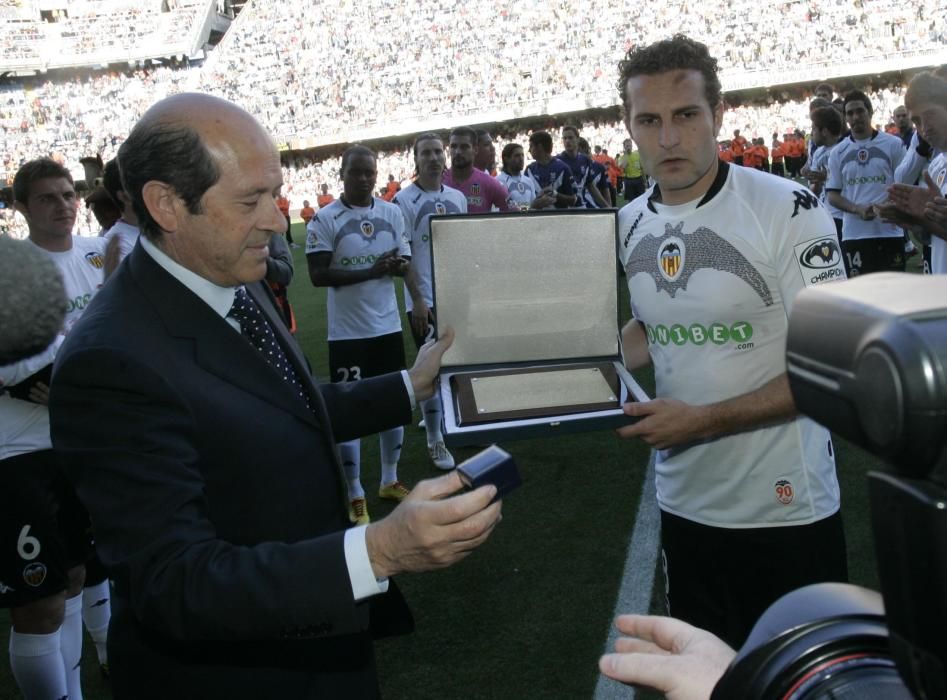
column 409, row 388
column 361, row 576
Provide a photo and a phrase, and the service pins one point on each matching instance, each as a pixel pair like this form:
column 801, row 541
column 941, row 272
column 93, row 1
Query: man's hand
column 816, row 177
column 39, row 393
column 420, row 317
column 935, row 212
column 892, row 214
column 385, row 264
column 667, row 654
column 427, row 365
column 430, row 528
column 911, row 199
column 866, row 212
column 665, row 422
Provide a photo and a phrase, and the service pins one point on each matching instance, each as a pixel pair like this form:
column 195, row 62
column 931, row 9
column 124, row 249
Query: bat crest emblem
column 368, row 228
column 862, row 156
column 679, row 255
column 440, row 208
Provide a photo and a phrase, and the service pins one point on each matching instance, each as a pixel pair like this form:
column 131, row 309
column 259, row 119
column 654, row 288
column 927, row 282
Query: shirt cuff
column 361, row 576
column 410, row 388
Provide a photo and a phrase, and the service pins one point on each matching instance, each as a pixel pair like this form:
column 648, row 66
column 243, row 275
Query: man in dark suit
column 209, row 464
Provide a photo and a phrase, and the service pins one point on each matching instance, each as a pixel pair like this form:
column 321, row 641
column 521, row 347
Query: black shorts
column 44, row 530
column 418, row 340
column 351, row 360
column 723, row 579
column 864, row 255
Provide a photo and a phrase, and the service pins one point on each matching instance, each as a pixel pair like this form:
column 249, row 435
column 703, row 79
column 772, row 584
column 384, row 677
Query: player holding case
column 714, row 257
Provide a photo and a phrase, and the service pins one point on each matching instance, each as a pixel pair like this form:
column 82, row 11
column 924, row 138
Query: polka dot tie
column 255, row 328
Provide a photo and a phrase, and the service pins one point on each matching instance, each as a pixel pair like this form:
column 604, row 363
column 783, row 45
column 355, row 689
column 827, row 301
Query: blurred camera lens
column 821, row 642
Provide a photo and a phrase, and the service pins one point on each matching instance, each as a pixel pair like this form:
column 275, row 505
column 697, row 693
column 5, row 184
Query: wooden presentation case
column 533, row 301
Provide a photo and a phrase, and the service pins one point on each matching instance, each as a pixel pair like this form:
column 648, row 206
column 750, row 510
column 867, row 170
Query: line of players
column 356, row 246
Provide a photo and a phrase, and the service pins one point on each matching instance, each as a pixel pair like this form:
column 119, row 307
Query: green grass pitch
column 525, row 616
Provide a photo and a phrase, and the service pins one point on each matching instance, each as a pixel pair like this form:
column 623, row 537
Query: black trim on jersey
column 351, row 206
column 424, row 191
column 851, row 136
column 720, row 179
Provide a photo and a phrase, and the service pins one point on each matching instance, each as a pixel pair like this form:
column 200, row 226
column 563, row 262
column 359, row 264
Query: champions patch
column 820, row 260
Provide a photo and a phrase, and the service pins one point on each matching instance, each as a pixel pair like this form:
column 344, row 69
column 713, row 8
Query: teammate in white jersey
column 418, row 201
column 714, row 256
column 925, row 206
column 826, row 131
column 354, row 246
column 524, row 190
column 124, row 233
column 44, row 531
column 861, row 167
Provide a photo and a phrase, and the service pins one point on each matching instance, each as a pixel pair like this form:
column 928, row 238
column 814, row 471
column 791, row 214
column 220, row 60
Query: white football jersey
column 862, row 171
column 523, row 189
column 417, row 205
column 713, row 283
column 357, row 237
column 938, row 171
column 24, row 426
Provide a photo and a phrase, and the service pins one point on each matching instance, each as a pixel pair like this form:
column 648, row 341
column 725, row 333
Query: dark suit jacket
column 216, row 498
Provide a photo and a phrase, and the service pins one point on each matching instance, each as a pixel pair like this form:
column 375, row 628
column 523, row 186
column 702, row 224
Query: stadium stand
column 315, row 81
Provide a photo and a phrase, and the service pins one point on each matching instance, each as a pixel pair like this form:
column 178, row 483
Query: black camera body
column 867, row 358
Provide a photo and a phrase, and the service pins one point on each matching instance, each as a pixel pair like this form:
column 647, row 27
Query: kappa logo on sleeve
column 804, row 199
column 820, row 260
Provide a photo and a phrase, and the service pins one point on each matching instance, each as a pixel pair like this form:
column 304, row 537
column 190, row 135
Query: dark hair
column 112, row 181
column 571, row 127
column 827, row 118
column 825, row 86
column 426, row 136
column 356, row 150
column 541, row 139
column 34, row 170
column 465, row 132
column 583, row 145
column 859, row 96
column 677, row 53
column 507, row 153
column 818, row 103
column 483, row 135
column 167, row 152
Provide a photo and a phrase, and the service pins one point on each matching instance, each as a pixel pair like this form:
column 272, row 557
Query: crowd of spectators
column 306, row 71
column 434, row 60
column 90, row 30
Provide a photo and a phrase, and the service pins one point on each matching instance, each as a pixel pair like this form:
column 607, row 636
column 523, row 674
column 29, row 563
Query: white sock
column 37, row 665
column 96, row 612
column 350, row 454
column 70, row 644
column 389, row 444
column 432, row 419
